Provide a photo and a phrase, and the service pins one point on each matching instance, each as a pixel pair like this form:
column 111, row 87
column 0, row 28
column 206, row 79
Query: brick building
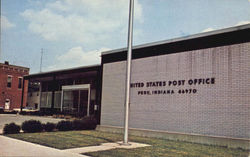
column 11, row 85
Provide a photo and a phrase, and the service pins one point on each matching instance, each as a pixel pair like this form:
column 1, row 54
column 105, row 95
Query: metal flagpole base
column 124, row 144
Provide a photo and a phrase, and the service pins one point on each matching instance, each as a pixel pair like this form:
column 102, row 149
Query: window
column 20, row 82
column 46, row 99
column 9, row 80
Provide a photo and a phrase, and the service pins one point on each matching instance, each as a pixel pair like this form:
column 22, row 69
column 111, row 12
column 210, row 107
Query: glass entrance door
column 75, row 99
column 75, row 102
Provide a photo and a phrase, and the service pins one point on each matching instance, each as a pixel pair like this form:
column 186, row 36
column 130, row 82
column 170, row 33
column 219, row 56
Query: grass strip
column 159, row 147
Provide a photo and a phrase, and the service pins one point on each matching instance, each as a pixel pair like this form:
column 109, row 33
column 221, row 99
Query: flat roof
column 199, row 35
column 17, row 66
column 223, row 37
column 64, row 71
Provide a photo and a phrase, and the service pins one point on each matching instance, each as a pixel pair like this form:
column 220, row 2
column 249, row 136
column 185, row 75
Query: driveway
column 19, row 119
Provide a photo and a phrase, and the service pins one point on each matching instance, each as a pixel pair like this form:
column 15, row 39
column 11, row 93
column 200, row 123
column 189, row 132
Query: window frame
column 20, row 86
column 9, row 84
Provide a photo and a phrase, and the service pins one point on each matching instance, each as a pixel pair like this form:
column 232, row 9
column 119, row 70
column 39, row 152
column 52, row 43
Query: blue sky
column 74, row 32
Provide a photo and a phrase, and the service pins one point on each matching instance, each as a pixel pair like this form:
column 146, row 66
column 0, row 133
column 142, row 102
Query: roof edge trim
column 194, row 36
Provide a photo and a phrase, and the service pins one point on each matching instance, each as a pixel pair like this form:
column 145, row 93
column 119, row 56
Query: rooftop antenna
column 41, row 62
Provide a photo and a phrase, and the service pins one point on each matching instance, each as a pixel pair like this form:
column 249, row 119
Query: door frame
column 5, row 104
column 76, row 87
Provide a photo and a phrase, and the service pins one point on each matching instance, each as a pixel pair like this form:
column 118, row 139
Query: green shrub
column 11, row 128
column 32, row 126
column 86, row 123
column 90, row 123
column 78, row 125
column 49, row 126
column 64, row 125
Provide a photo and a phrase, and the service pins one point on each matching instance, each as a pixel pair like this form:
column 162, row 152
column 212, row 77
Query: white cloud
column 58, row 5
column 243, row 22
column 76, row 57
column 208, row 29
column 238, row 24
column 83, row 21
column 5, row 23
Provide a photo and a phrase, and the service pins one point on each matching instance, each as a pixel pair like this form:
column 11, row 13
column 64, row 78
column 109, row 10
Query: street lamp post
column 127, row 96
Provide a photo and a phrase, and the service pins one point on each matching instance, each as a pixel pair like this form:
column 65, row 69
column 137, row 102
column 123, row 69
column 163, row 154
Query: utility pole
column 127, row 96
column 41, row 61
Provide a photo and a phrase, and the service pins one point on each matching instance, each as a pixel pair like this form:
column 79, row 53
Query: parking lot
column 19, row 119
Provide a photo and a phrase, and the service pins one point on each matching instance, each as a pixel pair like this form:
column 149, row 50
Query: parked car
column 25, row 109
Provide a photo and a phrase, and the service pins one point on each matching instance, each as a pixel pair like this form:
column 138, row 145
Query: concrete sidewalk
column 105, row 146
column 16, row 148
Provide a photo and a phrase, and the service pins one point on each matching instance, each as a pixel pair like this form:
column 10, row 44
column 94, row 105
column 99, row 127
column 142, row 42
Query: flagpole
column 127, row 100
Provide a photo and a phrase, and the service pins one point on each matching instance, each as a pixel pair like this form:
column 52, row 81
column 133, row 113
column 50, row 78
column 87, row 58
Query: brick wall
column 221, row 108
column 14, row 94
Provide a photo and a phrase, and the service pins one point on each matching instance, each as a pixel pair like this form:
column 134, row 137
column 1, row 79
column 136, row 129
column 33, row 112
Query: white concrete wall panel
column 219, row 109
